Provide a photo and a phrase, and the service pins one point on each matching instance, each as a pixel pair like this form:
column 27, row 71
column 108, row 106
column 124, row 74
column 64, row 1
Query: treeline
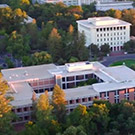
column 50, row 117
column 104, row 118
column 53, row 36
column 101, row 118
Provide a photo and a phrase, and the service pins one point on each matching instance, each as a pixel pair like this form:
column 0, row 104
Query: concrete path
column 111, row 59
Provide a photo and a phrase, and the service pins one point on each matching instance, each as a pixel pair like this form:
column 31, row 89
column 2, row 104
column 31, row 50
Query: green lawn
column 127, row 63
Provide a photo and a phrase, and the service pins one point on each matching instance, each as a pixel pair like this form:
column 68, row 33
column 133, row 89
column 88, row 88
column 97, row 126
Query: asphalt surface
column 111, row 59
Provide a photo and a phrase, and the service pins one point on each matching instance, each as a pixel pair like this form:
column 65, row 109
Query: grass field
column 127, row 63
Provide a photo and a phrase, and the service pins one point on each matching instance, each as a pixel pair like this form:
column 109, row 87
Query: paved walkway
column 111, row 59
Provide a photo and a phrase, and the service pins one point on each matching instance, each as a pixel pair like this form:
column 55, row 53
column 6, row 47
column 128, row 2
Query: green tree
column 17, row 45
column 55, row 45
column 79, row 50
column 129, row 46
column 94, row 50
column 105, row 49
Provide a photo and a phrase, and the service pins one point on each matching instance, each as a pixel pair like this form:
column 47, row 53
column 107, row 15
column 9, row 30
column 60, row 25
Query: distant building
column 71, row 2
column 114, row 84
column 101, row 30
column 103, row 6
column 3, row 6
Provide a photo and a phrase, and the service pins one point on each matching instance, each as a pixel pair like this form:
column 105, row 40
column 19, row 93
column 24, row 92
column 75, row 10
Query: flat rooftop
column 102, row 22
column 28, row 73
column 75, row 93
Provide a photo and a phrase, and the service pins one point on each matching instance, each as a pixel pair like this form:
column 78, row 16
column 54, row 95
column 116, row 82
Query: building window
column 71, row 78
column 87, row 76
column 19, row 110
column 77, row 100
column 89, row 99
column 97, row 30
column 26, row 117
column 80, row 77
column 83, row 99
column 114, row 28
column 104, row 34
column 97, row 35
column 124, row 27
column 26, row 109
column 41, row 90
column 100, row 29
column 117, row 28
column 107, row 29
column 63, row 79
column 36, row 91
column 70, row 85
column 111, row 28
column 63, row 86
column 121, row 28
column 104, row 29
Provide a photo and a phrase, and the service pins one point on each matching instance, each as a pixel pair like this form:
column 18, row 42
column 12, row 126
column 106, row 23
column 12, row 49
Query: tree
column 129, row 46
column 71, row 29
column 100, row 118
column 105, row 49
column 59, row 102
column 118, row 14
column 78, row 48
column 94, row 50
column 132, row 66
column 11, row 20
column 5, row 109
column 42, row 58
column 73, row 131
column 55, row 45
column 17, row 45
column 80, row 116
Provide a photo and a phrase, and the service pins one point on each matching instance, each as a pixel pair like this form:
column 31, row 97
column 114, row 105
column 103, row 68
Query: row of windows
column 116, row 93
column 43, row 90
column 111, row 34
column 24, row 109
column 107, row 39
column 82, row 100
column 79, row 77
column 111, row 28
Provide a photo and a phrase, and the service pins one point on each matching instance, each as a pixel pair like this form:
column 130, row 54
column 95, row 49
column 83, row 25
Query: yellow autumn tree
column 44, row 109
column 43, row 102
column 59, row 102
column 27, row 2
column 58, row 96
column 5, row 108
column 71, row 29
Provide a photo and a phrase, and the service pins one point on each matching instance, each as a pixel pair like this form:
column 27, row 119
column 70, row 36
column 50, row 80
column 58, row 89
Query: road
column 111, row 59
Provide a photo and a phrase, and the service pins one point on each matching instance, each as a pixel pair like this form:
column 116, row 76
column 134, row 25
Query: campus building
column 117, row 5
column 71, row 2
column 105, row 30
column 113, row 84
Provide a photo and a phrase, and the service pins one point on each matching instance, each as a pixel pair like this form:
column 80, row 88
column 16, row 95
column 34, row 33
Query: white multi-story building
column 101, row 30
column 113, row 84
column 119, row 5
column 71, row 2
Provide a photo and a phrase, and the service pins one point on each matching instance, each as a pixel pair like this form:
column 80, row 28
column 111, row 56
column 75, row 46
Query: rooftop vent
column 78, row 66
